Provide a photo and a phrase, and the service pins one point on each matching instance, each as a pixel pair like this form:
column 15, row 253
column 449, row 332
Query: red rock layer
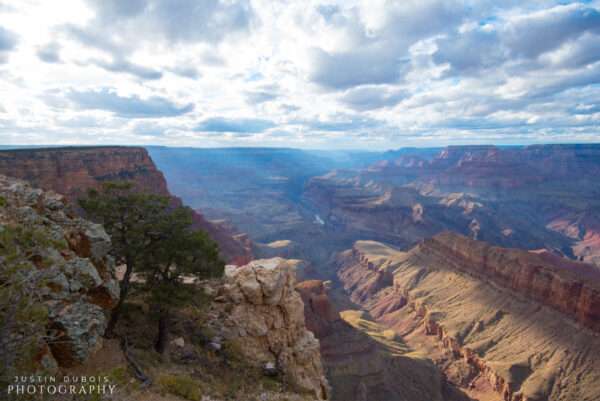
column 72, row 171
column 319, row 312
column 570, row 287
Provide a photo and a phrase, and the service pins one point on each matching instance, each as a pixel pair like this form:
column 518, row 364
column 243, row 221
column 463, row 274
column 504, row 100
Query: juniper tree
column 170, row 269
column 129, row 217
column 157, row 242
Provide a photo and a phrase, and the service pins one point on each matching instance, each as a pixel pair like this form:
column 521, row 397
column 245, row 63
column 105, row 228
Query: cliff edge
column 73, row 170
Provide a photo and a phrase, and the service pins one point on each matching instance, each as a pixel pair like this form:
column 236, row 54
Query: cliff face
column 570, row 287
column 319, row 312
column 258, row 309
column 64, row 260
column 363, row 362
column 507, row 322
column 72, row 171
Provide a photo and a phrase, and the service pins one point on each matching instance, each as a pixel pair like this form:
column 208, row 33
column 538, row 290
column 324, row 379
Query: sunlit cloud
column 321, row 74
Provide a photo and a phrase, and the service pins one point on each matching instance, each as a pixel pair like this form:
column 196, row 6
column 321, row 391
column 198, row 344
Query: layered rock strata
column 77, row 285
column 481, row 307
column 570, row 287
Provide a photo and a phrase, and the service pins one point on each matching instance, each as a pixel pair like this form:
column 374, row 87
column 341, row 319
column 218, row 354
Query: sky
column 345, row 74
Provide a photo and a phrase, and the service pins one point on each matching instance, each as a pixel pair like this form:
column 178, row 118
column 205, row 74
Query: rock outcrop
column 72, row 171
column 510, row 322
column 319, row 311
column 259, row 310
column 75, row 275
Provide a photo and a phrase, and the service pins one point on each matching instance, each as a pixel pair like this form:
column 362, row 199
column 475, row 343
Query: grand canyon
column 457, row 273
column 285, row 200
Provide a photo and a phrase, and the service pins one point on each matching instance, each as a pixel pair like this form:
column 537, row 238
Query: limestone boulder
column 259, row 309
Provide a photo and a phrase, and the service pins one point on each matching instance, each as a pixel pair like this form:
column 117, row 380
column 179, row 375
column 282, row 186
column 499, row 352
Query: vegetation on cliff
column 158, row 243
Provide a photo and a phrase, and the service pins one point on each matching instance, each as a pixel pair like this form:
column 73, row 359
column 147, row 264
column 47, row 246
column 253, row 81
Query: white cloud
column 331, row 73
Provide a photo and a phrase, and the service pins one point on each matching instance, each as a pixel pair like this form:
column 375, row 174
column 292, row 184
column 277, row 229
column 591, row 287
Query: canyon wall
column 570, row 287
column 72, row 171
column 363, row 362
column 494, row 167
column 496, row 321
column 532, row 197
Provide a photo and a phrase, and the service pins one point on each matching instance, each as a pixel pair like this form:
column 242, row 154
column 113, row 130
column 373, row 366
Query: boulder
column 258, row 309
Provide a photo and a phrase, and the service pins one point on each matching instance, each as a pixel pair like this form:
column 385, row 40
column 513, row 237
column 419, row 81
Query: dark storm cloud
column 239, row 125
column 129, row 107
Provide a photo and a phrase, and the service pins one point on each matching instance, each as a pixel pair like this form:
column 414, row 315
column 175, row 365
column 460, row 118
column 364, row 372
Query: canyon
column 458, row 274
column 532, row 197
column 519, row 324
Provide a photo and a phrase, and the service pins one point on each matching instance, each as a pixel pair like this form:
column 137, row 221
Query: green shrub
column 182, row 386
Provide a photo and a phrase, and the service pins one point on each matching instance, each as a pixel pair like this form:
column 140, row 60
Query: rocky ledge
column 69, row 255
column 258, row 309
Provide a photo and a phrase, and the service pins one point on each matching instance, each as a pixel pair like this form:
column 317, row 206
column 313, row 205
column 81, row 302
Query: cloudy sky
column 316, row 74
